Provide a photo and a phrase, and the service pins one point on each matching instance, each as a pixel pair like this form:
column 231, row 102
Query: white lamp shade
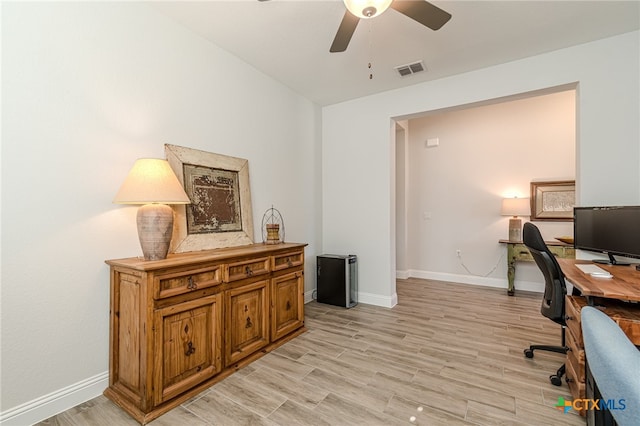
column 367, row 8
column 151, row 180
column 516, row 207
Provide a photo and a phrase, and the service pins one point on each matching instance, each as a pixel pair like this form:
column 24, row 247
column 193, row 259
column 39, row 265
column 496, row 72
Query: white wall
column 87, row 88
column 359, row 172
column 402, row 194
column 485, row 153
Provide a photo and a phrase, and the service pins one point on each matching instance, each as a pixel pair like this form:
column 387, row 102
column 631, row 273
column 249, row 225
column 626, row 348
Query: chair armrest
column 614, row 362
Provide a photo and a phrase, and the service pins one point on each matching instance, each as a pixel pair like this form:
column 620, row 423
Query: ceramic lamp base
column 155, row 227
column 515, row 229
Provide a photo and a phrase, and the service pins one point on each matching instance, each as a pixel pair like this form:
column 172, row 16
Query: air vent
column 409, row 69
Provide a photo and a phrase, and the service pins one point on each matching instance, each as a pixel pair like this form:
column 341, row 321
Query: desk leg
column 511, row 269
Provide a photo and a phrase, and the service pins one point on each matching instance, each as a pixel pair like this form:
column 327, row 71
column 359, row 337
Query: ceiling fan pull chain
column 370, row 48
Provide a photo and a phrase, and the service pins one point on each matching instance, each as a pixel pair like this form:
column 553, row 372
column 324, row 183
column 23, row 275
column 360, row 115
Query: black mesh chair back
column 555, row 288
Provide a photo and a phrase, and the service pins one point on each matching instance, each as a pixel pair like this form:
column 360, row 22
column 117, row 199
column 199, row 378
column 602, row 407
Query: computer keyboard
column 589, row 268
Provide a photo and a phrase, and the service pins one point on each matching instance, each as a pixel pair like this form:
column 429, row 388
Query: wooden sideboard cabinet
column 180, row 324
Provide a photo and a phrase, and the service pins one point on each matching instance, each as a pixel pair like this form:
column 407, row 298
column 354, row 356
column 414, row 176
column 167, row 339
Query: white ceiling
column 289, row 40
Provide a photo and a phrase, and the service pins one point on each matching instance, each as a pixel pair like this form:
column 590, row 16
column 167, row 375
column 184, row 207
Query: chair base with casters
column 555, row 379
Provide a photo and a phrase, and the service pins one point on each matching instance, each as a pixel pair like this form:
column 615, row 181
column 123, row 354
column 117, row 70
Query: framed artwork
column 553, row 200
column 220, row 212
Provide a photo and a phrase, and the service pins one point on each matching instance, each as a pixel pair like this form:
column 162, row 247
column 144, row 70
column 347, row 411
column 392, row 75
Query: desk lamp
column 515, row 207
column 151, row 182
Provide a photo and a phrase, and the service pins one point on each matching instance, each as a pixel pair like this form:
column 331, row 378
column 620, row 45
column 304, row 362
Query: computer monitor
column 614, row 231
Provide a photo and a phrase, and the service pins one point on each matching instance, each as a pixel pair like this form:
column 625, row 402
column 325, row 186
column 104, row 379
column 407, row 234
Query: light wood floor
column 446, row 354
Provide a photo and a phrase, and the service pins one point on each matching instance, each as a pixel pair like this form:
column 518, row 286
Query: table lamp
column 515, row 207
column 151, row 182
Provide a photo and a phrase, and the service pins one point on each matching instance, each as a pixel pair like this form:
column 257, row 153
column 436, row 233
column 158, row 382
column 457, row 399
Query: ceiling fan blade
column 422, row 11
column 345, row 32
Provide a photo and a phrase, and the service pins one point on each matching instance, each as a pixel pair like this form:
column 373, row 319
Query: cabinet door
column 188, row 342
column 247, row 318
column 287, row 304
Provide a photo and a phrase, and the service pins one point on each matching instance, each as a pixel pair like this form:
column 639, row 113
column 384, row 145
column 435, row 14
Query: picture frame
column 553, row 200
column 220, row 213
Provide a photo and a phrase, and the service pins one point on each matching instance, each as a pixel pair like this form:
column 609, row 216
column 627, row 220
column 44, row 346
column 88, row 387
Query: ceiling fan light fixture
column 367, row 8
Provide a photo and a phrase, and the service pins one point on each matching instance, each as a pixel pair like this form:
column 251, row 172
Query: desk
column 518, row 252
column 612, row 296
column 625, row 284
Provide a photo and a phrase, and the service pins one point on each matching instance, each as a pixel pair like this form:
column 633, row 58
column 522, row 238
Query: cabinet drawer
column 179, row 282
column 287, row 260
column 563, row 251
column 521, row 253
column 627, row 316
column 576, row 346
column 577, row 366
column 573, row 306
column 576, row 387
column 247, row 269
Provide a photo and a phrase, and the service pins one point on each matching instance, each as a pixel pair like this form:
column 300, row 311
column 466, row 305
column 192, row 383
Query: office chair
column 555, row 290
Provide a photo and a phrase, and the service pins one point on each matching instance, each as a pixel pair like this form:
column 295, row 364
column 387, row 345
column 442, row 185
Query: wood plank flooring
column 447, row 354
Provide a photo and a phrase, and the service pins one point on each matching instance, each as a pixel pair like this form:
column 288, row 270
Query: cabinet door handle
column 248, row 324
column 192, row 285
column 289, row 262
column 248, row 271
column 288, row 306
column 190, row 349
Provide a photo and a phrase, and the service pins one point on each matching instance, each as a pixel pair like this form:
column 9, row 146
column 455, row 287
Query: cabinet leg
column 511, row 274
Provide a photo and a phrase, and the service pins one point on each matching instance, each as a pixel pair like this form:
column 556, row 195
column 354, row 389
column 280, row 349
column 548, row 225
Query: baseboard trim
column 475, row 280
column 378, row 300
column 56, row 402
column 308, row 296
column 402, row 275
column 366, row 298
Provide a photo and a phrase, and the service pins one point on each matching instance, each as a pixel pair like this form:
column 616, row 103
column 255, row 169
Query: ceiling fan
column 420, row 10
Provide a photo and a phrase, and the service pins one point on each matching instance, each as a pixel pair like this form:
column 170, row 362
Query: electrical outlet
column 458, row 252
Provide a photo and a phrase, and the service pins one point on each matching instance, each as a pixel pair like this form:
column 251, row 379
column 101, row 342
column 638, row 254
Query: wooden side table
column 518, row 252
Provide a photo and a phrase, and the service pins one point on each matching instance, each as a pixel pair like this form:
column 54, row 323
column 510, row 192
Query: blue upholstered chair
column 614, row 363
